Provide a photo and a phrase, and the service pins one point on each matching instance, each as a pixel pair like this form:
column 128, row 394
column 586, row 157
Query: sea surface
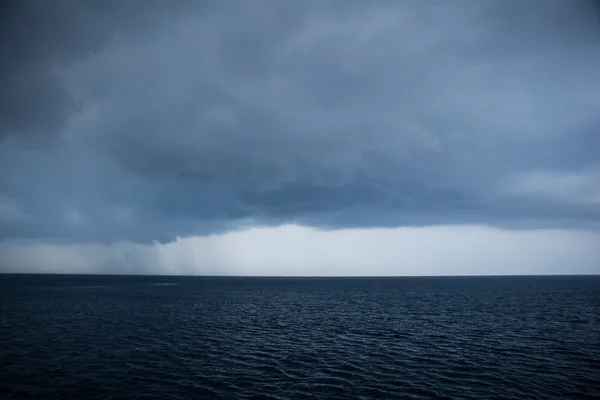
column 152, row 337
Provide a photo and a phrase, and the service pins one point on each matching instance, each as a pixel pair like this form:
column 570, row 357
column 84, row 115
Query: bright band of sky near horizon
column 313, row 138
column 299, row 251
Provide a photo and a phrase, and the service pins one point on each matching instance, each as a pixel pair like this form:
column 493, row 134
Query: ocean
column 156, row 337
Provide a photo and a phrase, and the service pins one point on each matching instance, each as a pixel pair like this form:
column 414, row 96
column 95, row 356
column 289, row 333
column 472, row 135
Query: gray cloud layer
column 131, row 121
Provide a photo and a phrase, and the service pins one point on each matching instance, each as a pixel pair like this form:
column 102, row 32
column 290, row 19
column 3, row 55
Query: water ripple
column 179, row 338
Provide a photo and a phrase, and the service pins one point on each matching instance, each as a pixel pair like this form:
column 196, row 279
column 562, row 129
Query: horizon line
column 304, row 276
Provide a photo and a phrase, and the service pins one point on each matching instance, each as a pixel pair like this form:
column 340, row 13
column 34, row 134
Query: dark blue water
column 101, row 337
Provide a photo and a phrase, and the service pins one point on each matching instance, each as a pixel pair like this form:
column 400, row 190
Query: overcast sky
column 300, row 137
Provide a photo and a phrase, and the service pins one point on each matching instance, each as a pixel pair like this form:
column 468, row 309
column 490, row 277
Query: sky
column 384, row 138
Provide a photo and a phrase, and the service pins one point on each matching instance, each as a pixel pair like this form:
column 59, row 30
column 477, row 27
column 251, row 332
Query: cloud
column 580, row 189
column 39, row 39
column 292, row 250
column 138, row 124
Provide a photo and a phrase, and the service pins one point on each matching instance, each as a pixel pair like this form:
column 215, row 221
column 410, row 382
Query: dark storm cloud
column 145, row 121
column 39, row 38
